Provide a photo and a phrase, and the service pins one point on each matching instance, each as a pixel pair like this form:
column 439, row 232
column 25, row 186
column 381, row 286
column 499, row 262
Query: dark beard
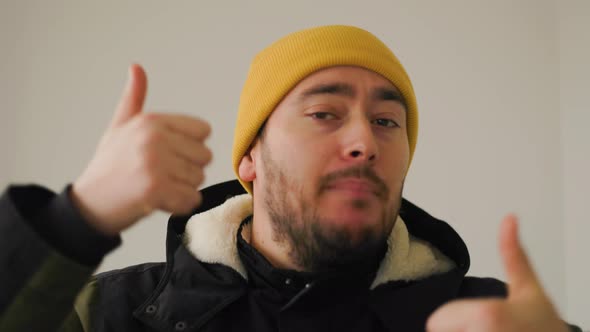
column 317, row 245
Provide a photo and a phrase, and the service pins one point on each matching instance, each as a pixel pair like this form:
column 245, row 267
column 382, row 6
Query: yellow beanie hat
column 278, row 68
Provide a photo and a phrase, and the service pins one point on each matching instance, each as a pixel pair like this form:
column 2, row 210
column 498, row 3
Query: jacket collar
column 211, row 237
column 436, row 252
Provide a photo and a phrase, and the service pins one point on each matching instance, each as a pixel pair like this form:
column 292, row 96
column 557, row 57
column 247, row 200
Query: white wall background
column 11, row 86
column 495, row 135
column 574, row 46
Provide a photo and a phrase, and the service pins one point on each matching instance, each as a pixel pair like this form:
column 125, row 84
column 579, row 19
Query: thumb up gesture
column 143, row 162
column 527, row 307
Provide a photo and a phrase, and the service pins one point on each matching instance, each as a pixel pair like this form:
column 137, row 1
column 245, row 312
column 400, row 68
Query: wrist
column 81, row 201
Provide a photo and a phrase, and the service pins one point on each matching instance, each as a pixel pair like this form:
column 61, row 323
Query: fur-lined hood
column 211, row 237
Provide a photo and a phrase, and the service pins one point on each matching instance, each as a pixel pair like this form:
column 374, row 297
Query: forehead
column 352, row 75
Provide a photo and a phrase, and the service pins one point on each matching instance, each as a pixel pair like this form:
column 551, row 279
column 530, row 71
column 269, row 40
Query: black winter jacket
column 198, row 290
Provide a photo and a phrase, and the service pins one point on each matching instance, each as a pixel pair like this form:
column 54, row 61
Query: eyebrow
column 388, row 94
column 347, row 90
column 332, row 89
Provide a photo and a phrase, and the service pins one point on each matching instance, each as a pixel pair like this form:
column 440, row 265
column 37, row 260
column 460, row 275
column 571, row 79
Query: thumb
column 133, row 96
column 519, row 272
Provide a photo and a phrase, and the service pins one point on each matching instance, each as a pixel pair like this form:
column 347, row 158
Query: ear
column 247, row 166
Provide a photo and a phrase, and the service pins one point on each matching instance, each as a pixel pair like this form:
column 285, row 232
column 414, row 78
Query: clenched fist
column 143, row 162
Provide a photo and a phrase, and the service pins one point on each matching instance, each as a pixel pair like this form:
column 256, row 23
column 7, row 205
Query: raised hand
column 527, row 307
column 143, row 162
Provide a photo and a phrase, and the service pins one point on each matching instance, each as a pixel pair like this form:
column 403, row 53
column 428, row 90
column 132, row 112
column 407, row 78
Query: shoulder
column 482, row 287
column 145, row 270
column 114, row 295
column 130, row 284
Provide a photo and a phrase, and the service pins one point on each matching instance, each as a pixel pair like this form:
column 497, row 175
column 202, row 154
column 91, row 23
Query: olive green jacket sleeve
column 45, row 302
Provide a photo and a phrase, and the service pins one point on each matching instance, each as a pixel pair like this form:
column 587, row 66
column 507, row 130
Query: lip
column 357, row 186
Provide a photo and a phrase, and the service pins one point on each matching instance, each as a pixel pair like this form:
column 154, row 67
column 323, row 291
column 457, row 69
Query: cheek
column 401, row 154
column 307, row 164
column 395, row 165
column 404, row 159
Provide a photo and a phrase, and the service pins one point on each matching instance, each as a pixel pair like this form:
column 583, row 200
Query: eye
column 323, row 116
column 388, row 123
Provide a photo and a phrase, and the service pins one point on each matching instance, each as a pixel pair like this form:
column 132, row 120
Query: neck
column 265, row 241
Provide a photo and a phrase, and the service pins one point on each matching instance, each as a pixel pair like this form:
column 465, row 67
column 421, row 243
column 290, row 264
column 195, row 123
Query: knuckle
column 153, row 136
column 202, row 156
column 207, row 155
column 206, row 129
column 149, row 118
column 144, row 140
column 202, row 127
column 176, row 206
column 174, row 202
column 181, row 201
column 148, row 122
column 143, row 121
column 186, row 205
column 199, row 176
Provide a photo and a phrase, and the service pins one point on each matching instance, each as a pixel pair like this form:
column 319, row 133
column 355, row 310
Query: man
column 323, row 240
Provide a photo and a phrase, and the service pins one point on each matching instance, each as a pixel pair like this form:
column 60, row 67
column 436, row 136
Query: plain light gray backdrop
column 502, row 91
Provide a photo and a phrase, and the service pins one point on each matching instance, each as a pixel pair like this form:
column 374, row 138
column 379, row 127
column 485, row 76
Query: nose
column 359, row 143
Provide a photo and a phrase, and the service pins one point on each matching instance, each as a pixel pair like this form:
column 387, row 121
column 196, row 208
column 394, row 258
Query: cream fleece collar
column 211, row 237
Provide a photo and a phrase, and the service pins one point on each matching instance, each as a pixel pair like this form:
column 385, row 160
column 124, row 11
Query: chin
column 353, row 219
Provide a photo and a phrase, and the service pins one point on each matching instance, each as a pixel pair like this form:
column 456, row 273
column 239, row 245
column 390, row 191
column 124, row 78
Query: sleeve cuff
column 62, row 226
column 76, row 238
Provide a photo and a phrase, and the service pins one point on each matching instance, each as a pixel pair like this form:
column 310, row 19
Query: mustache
column 356, row 172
